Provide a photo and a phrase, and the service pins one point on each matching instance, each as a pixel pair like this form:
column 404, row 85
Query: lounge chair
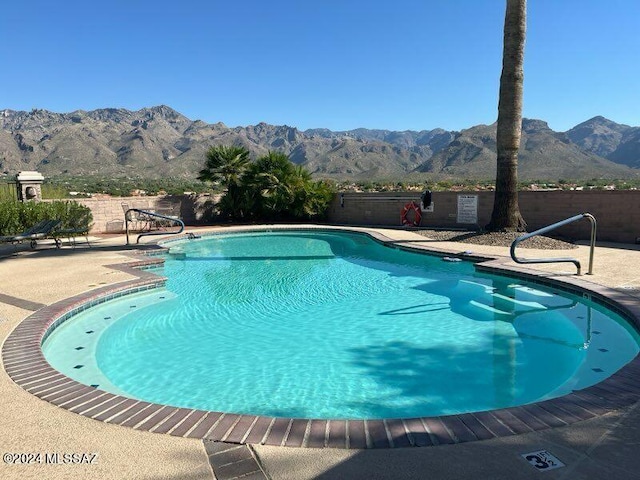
column 40, row 230
column 79, row 227
column 140, row 221
column 169, row 210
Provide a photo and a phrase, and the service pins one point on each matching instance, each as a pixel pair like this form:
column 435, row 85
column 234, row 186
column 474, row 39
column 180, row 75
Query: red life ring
column 417, row 214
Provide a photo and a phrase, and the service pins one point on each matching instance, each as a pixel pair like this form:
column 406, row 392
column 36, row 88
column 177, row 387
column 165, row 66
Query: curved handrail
column 151, row 214
column 575, row 218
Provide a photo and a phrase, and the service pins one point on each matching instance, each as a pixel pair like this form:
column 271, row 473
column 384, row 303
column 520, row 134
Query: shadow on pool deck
column 606, row 447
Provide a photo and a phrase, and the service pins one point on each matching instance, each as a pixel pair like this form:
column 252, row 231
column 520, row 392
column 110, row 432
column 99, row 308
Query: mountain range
column 159, row 141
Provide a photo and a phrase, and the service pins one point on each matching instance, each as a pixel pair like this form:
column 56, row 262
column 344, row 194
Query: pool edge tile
column 23, row 361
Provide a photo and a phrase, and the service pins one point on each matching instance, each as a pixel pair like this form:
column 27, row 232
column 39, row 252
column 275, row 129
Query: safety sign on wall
column 467, row 209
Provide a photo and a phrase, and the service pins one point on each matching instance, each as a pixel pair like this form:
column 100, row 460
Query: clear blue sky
column 338, row 64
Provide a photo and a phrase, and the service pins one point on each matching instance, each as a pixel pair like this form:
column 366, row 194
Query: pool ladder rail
column 561, row 223
column 149, row 216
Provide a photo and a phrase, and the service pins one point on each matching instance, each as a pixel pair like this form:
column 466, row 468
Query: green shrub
column 7, row 192
column 270, row 189
column 16, row 217
column 10, row 217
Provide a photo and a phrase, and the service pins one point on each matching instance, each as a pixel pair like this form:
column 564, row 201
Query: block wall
column 108, row 212
column 617, row 212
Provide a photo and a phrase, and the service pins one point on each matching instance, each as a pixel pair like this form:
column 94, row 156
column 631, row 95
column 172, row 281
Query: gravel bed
column 501, row 239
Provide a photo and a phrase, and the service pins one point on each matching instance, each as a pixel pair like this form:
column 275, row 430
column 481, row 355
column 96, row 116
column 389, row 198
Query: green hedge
column 16, row 217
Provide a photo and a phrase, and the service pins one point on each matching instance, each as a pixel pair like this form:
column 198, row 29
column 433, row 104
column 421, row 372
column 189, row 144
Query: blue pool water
column 335, row 325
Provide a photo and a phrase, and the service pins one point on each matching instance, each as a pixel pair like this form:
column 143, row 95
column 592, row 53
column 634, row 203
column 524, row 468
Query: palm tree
column 278, row 189
column 302, row 192
column 268, row 185
column 506, row 212
column 226, row 165
column 271, row 188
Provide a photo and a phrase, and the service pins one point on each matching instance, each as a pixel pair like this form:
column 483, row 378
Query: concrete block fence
column 108, row 212
column 617, row 212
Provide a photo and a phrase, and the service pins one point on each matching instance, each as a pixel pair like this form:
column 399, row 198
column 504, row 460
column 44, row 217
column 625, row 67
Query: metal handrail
column 575, row 218
column 151, row 214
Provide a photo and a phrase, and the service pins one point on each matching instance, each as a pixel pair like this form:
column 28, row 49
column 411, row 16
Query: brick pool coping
column 25, row 364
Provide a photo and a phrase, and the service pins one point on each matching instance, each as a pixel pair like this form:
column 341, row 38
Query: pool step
column 523, row 303
column 489, row 309
column 532, row 306
column 531, row 291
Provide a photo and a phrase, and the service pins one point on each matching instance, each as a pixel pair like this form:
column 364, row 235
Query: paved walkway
column 597, row 448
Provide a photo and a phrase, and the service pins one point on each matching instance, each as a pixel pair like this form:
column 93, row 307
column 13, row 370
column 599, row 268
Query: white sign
column 468, row 209
column 543, row 460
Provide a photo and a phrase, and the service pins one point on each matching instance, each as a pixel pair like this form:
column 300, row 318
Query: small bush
column 7, row 192
column 16, row 217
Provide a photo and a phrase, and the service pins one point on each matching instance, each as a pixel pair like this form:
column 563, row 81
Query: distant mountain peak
column 159, row 141
column 601, row 121
column 532, row 124
column 602, row 137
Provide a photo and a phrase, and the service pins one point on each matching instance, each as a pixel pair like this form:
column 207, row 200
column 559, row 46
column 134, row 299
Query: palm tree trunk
column 506, row 212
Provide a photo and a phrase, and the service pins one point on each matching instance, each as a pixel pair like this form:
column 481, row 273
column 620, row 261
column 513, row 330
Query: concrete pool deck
column 32, row 279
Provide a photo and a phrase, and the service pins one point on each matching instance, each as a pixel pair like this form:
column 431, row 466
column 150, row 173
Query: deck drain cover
column 542, row 460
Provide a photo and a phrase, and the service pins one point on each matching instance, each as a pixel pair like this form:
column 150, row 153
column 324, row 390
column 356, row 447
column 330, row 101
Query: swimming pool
column 335, row 325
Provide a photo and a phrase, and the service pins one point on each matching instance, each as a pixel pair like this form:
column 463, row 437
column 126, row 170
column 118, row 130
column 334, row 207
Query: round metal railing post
column 126, row 224
column 592, row 243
